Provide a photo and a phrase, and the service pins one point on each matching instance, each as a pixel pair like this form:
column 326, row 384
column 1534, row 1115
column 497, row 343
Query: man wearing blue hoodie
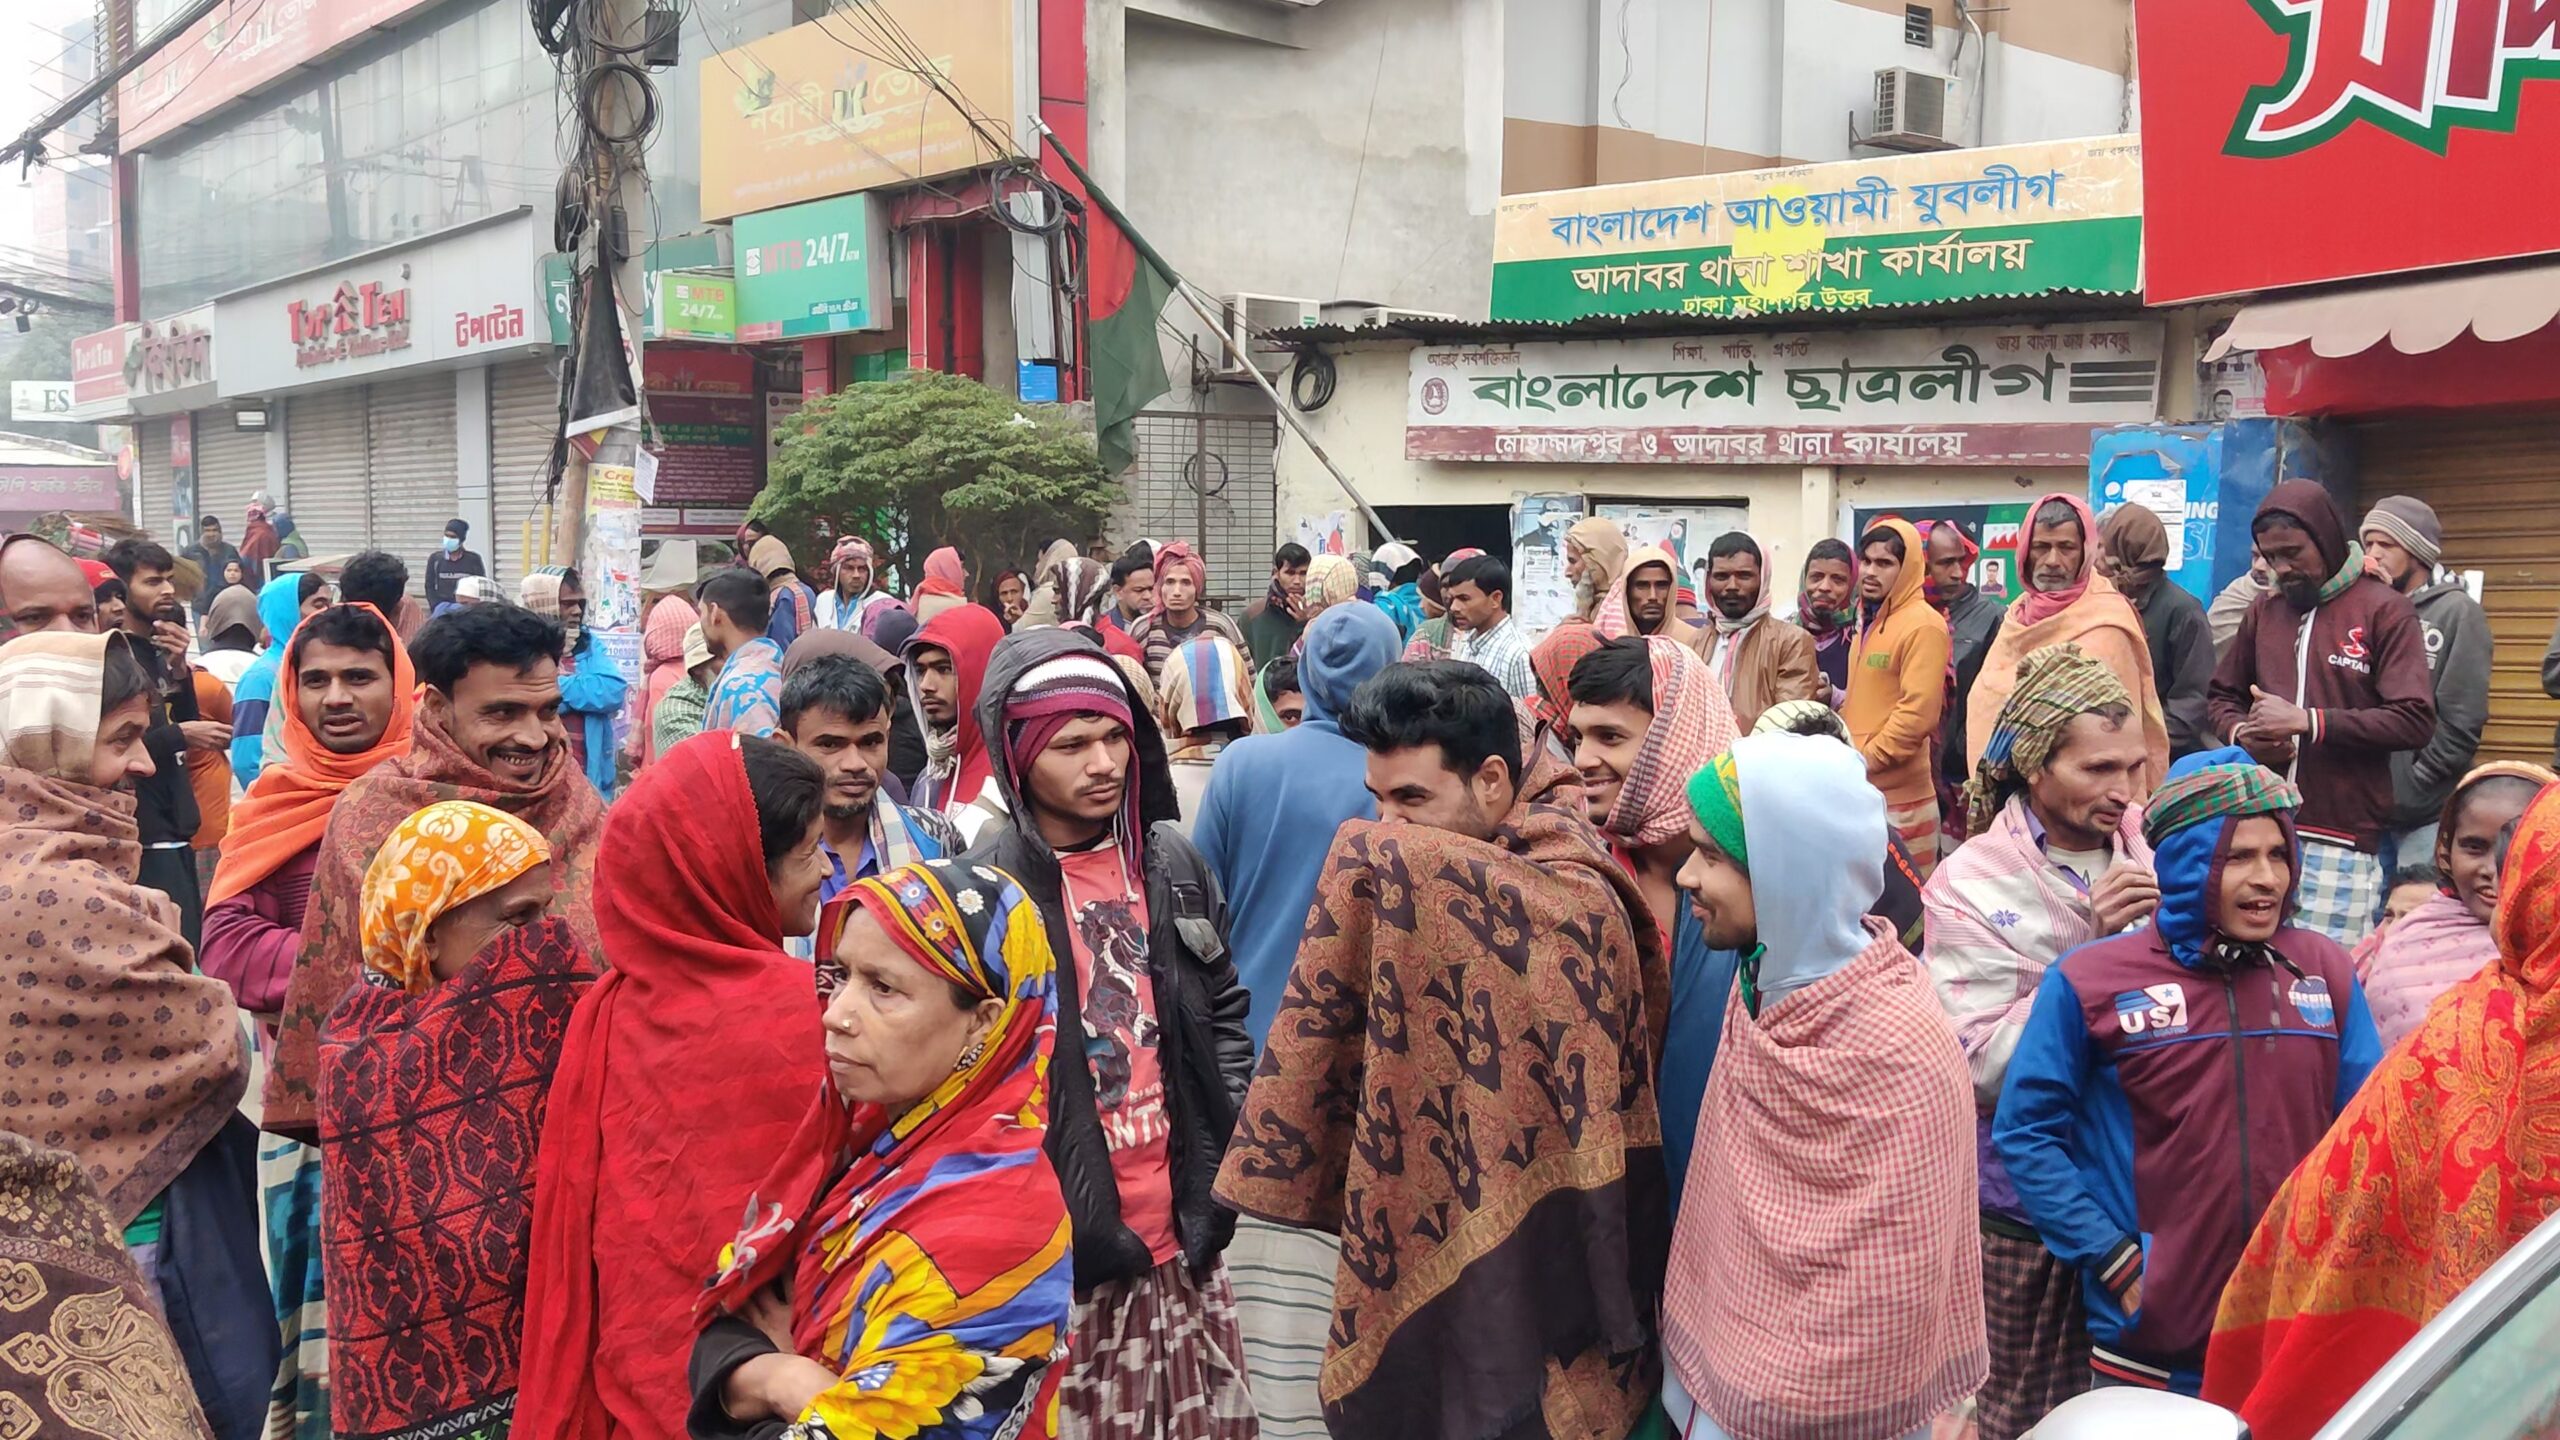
column 1265, row 826
column 2169, row 1079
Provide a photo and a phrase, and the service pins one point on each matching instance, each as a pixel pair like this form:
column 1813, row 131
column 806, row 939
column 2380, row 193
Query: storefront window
column 447, row 121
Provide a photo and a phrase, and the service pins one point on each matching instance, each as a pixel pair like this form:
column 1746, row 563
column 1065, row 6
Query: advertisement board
column 39, row 399
column 2317, row 140
column 1990, row 395
column 813, row 269
column 1952, row 225
column 148, row 367
column 469, row 292
column 242, row 46
column 820, row 109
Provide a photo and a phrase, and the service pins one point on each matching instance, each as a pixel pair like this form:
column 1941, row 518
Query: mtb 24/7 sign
column 1993, row 395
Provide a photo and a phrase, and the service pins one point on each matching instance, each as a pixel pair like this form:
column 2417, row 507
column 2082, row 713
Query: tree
column 44, row 353
column 930, row 460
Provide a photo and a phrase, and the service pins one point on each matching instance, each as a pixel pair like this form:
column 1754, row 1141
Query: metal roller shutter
column 524, row 413
column 151, row 449
column 325, row 470
column 410, row 464
column 2492, row 481
column 231, row 466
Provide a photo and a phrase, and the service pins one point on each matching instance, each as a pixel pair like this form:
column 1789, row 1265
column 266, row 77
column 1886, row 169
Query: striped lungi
column 290, row 1173
column 2038, row 1333
column 2341, row 891
column 1157, row 1358
column 1918, row 827
column 1283, row 1279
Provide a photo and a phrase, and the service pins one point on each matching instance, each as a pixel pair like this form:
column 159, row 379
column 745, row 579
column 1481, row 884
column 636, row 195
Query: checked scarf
column 2056, row 685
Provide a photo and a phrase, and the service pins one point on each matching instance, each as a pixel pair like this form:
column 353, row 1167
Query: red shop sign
column 2288, row 142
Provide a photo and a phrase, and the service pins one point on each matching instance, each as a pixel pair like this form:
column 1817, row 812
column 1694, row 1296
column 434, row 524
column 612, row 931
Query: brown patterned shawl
column 561, row 804
column 1460, row 1083
column 112, row 1047
column 88, row 1353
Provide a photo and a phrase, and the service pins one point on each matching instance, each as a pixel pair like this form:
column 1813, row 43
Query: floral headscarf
column 439, row 858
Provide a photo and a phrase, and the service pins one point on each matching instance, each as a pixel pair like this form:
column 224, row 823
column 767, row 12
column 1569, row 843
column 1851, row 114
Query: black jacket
column 1973, row 619
column 1200, row 1004
column 164, row 802
column 2182, row 660
column 443, row 571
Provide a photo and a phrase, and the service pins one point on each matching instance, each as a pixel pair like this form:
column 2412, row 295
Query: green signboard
column 695, row 306
column 699, row 251
column 814, row 269
column 2039, row 219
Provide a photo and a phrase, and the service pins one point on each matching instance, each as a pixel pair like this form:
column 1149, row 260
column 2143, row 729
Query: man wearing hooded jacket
column 2325, row 682
column 1152, row 1056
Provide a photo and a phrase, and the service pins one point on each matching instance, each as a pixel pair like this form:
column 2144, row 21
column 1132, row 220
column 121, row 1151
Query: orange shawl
column 2098, row 619
column 2446, row 1158
column 287, row 808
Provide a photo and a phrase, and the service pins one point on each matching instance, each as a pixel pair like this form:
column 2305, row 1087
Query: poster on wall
column 1326, row 534
column 182, row 478
column 1540, row 595
column 611, row 568
column 1684, row 530
column 1994, row 527
column 710, row 460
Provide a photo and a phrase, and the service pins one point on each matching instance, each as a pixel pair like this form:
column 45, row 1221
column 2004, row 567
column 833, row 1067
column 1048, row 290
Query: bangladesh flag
column 1126, row 285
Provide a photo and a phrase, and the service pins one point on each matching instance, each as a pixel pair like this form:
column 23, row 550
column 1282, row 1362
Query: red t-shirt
column 1107, row 931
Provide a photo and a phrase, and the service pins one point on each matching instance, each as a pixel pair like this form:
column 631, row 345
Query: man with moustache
column 488, row 729
column 42, row 589
column 164, row 801
column 1760, row 660
column 836, row 711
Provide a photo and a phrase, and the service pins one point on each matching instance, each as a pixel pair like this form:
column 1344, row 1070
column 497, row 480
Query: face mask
column 452, row 543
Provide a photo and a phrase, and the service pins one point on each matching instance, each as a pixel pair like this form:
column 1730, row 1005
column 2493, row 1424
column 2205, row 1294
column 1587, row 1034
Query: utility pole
column 616, row 105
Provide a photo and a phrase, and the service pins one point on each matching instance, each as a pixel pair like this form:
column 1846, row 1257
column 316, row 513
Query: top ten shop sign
column 2300, row 141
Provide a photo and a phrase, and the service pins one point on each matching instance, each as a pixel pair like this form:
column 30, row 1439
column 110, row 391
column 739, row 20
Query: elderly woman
column 121, row 1053
column 433, row 1078
column 905, row 1269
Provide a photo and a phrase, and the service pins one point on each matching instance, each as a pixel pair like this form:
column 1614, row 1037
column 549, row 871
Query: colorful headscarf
column 2056, row 685
column 2219, row 790
column 1204, row 683
column 1692, row 722
column 927, row 1251
column 1331, row 580
column 444, row 856
column 1552, row 660
column 1715, row 796
column 845, row 549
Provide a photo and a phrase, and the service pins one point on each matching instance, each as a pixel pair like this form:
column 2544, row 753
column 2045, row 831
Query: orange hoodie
column 1898, row 680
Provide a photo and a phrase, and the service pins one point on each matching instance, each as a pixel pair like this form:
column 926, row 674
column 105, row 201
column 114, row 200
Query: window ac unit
column 1250, row 317
column 1911, row 111
column 1371, row 317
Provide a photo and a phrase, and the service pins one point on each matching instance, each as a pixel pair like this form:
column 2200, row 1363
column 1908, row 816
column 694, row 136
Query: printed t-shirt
column 1107, row 930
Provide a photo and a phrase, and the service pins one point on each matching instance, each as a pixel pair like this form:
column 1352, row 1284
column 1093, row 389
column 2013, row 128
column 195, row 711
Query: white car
column 2487, row 1368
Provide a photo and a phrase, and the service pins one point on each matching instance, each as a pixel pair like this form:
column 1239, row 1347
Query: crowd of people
column 1038, row 1002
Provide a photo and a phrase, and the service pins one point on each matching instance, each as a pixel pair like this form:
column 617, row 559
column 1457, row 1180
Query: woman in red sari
column 2444, row 1160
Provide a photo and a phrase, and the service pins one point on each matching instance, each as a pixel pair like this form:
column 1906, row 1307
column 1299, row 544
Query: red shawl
column 2446, row 1158
column 431, row 1111
column 1460, row 1083
column 686, row 1070
column 561, row 804
column 2034, row 605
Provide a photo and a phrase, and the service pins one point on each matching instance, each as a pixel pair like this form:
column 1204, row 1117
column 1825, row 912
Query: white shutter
column 410, row 464
column 325, row 470
column 231, row 466
column 151, row 449
column 524, row 415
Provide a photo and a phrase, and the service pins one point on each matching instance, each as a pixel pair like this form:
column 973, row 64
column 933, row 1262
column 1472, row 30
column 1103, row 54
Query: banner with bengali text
column 2005, row 221
column 1980, row 395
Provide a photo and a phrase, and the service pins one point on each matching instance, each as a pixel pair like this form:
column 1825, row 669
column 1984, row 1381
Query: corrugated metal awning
column 2417, row 317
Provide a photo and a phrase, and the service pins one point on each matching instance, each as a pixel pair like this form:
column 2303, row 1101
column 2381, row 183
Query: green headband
column 1715, row 793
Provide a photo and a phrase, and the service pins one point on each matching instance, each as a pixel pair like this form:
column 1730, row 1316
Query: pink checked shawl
column 2434, row 948
column 1826, row 1276
column 1999, row 913
column 1692, row 724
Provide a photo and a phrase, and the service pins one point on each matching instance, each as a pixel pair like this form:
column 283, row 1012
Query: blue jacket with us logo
column 2163, row 1088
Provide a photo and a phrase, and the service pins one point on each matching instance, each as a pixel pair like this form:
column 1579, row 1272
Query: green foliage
column 931, row 460
column 44, row 353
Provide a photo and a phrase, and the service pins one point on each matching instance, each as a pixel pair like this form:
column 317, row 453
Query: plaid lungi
column 2039, row 1335
column 1157, row 1358
column 2341, row 891
column 1918, row 827
column 1283, row 1279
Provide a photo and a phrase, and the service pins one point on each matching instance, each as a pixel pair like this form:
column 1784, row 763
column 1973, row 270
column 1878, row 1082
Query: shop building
column 2419, row 337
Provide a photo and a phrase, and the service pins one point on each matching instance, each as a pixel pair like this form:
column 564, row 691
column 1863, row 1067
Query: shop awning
column 2416, row 317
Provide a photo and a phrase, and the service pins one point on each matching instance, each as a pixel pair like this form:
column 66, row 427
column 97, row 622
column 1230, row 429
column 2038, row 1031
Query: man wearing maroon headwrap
column 1182, row 611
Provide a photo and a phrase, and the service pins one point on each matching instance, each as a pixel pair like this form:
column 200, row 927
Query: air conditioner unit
column 1911, row 111
column 1250, row 317
column 1371, row 317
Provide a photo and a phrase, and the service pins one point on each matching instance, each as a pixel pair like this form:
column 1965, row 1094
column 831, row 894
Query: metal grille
column 1919, row 27
column 1231, row 517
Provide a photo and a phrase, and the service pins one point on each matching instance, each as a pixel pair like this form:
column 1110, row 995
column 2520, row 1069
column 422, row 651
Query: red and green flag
column 1126, row 285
